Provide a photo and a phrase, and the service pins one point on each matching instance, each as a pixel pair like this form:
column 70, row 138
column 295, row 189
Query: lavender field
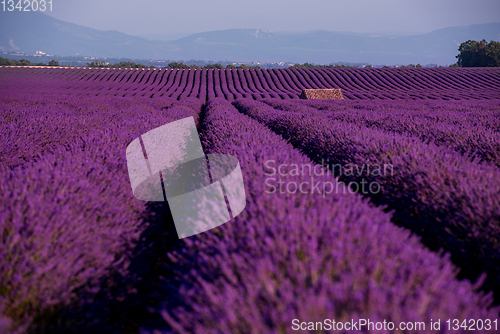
column 384, row 206
column 356, row 83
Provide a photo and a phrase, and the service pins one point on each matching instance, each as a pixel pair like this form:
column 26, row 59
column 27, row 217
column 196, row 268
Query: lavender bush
column 302, row 256
column 451, row 202
column 78, row 249
column 69, row 216
column 468, row 128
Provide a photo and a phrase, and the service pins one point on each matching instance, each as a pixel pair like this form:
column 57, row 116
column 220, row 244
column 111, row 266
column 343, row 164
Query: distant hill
column 34, row 31
column 164, row 36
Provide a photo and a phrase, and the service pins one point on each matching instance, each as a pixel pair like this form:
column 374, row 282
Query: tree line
column 170, row 65
column 129, row 64
column 209, row 66
column 122, row 64
column 24, row 62
column 307, row 65
column 471, row 54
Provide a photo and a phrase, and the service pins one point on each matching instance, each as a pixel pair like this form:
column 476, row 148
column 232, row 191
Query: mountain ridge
column 56, row 37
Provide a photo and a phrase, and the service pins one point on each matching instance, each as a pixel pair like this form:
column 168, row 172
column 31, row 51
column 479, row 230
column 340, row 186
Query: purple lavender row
column 141, row 83
column 302, row 256
column 177, row 82
column 69, row 219
column 440, row 195
column 194, row 104
column 291, row 90
column 157, row 87
column 241, row 83
column 247, row 84
column 187, row 88
column 221, row 74
column 424, row 80
column 260, row 88
column 153, row 80
column 440, row 126
column 174, row 83
column 476, row 113
column 203, row 86
column 441, row 84
column 31, row 125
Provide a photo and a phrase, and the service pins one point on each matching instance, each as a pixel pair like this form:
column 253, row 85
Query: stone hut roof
column 325, row 94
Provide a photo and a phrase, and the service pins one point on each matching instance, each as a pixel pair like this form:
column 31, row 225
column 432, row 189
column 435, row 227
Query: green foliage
column 230, row 66
column 123, row 64
column 128, row 64
column 22, row 62
column 53, row 62
column 307, row 65
column 6, row 62
column 175, row 64
column 209, row 66
column 479, row 54
column 412, row 66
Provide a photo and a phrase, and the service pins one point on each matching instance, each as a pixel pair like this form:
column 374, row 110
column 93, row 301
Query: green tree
column 175, row 64
column 493, row 54
column 305, row 65
column 123, row 64
column 23, row 62
column 214, row 66
column 53, row 62
column 479, row 54
column 5, row 62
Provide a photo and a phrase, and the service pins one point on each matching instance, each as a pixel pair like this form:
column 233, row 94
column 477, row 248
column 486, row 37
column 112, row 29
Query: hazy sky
column 191, row 16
